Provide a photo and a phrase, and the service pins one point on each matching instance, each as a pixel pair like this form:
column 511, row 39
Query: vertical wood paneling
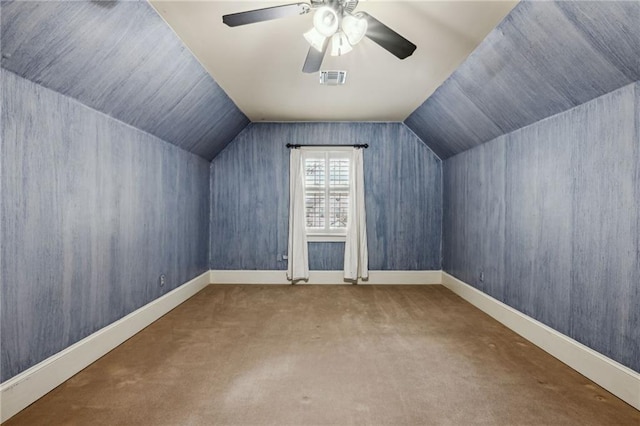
column 474, row 242
column 120, row 58
column 606, row 270
column 635, row 295
column 93, row 211
column 250, row 197
column 571, row 198
column 538, row 232
column 249, row 205
column 326, row 256
column 542, row 59
column 403, row 189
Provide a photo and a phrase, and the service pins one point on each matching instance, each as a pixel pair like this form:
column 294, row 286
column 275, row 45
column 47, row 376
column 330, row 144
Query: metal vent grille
column 350, row 5
column 333, row 78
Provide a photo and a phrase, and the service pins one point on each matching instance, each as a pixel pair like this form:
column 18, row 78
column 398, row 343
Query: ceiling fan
column 334, row 21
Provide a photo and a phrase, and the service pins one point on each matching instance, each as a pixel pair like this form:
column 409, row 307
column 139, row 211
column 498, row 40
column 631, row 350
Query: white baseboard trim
column 22, row 390
column 326, row 277
column 611, row 375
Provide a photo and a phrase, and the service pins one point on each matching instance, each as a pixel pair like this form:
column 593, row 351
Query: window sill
column 326, row 238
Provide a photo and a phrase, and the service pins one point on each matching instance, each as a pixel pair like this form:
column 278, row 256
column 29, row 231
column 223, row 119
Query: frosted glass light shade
column 339, row 44
column 355, row 28
column 326, row 21
column 315, row 39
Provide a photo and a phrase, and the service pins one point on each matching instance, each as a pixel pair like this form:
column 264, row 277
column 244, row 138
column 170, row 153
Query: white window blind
column 327, row 186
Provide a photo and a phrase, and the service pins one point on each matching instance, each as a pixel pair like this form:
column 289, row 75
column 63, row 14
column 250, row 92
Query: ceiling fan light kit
column 326, row 21
column 339, row 44
column 315, row 39
column 332, row 19
column 355, row 27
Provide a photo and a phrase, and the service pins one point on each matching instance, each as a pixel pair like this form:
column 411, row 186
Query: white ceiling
column 259, row 65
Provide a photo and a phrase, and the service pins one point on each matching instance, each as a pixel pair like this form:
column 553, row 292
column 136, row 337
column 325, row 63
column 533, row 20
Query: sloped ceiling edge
column 542, row 59
column 122, row 59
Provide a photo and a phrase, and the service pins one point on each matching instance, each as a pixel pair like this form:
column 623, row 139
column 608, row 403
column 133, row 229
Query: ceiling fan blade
column 387, row 38
column 314, row 59
column 266, row 14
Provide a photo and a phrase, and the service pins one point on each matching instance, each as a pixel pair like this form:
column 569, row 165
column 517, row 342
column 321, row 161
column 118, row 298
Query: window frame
column 328, row 234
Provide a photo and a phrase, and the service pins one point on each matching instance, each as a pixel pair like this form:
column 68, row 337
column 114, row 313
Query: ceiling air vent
column 333, row 78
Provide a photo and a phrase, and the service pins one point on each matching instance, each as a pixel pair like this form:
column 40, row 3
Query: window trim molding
column 336, row 234
column 326, row 238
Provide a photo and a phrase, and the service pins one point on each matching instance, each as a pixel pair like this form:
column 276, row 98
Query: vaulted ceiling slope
column 122, row 59
column 542, row 59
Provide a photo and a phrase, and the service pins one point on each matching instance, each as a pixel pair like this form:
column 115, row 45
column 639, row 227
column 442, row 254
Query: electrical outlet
column 481, row 277
column 163, row 280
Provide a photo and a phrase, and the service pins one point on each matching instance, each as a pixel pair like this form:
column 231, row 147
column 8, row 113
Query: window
column 327, row 186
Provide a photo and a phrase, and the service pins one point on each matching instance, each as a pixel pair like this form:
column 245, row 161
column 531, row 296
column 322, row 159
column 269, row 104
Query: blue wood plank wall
column 120, row 58
column 93, row 211
column 525, row 70
column 550, row 215
column 250, row 197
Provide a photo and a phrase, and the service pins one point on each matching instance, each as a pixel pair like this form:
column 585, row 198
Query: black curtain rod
column 291, row 145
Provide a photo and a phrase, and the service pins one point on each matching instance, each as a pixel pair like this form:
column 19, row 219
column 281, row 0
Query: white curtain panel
column 356, row 255
column 298, row 268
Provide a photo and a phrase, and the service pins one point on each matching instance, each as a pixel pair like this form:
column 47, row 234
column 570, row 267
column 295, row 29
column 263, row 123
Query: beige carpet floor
column 316, row 355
